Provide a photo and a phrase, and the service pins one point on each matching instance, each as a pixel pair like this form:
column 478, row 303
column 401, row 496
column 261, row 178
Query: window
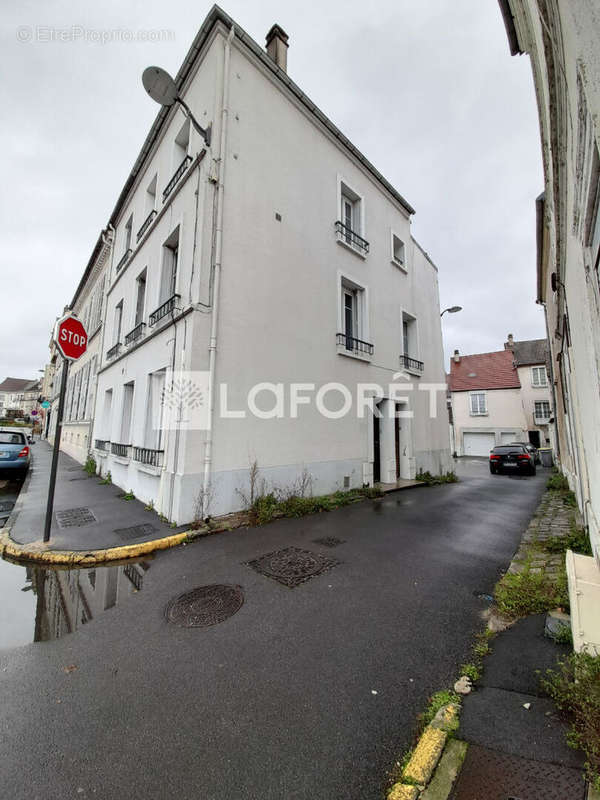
column 350, row 222
column 398, row 250
column 107, row 415
column 542, row 410
column 352, row 319
column 151, row 195
column 154, row 410
column 128, row 232
column 181, row 144
column 168, row 280
column 140, row 299
column 538, row 376
column 350, row 316
column 478, row 403
column 127, row 410
column 118, row 322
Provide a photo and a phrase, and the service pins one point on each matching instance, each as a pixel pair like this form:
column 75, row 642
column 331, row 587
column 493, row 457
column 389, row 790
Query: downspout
column 212, row 348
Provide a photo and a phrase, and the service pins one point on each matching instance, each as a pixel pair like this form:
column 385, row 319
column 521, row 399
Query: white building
column 562, row 39
column 277, row 254
column 19, row 394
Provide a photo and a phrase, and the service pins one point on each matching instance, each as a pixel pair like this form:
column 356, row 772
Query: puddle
column 40, row 604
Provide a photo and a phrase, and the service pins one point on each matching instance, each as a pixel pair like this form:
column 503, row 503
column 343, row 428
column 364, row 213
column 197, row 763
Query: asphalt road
column 278, row 702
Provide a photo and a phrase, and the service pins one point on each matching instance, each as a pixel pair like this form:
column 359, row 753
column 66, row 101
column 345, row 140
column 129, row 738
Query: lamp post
column 451, row 310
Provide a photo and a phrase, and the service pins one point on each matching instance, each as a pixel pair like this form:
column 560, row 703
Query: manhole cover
column 205, row 606
column 135, row 531
column 292, row 566
column 75, row 518
column 329, row 541
column 497, row 776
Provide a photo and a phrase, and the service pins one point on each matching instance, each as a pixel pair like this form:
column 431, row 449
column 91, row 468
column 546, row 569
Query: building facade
column 19, row 395
column 501, row 397
column 561, row 40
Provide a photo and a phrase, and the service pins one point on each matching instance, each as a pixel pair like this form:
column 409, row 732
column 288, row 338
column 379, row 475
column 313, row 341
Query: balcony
column 102, row 444
column 349, row 345
column 121, row 450
column 145, row 455
column 412, row 365
column 135, row 334
column 350, row 238
column 179, row 172
column 162, row 311
column 124, row 259
column 114, row 351
column 145, row 225
column 542, row 419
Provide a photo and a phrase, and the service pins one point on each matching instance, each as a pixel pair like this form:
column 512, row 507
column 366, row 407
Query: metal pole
column 59, row 416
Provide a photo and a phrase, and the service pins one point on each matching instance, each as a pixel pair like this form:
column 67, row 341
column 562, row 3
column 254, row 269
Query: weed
column 90, row 466
column 162, row 518
column 150, row 506
column 576, row 540
column 528, row 592
column 173, row 524
column 482, row 648
column 269, row 506
column 563, row 635
column 557, row 483
column 436, row 480
column 106, row 481
column 575, row 688
column 472, row 671
column 437, row 701
column 127, row 495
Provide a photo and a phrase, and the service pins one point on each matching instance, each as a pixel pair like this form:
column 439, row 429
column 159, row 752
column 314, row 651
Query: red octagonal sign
column 70, row 337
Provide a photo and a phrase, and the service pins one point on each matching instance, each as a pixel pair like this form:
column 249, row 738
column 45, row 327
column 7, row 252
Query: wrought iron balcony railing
column 354, row 345
column 350, row 237
column 145, row 225
column 135, row 334
column 121, row 450
column 114, row 350
column 176, row 177
column 125, row 259
column 163, row 310
column 411, row 364
column 102, row 444
column 146, row 455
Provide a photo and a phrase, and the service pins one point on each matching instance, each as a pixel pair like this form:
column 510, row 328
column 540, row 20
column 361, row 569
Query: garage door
column 507, row 438
column 478, row 444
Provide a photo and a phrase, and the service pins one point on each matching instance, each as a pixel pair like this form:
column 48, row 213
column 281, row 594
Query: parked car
column 530, row 449
column 512, row 458
column 14, row 454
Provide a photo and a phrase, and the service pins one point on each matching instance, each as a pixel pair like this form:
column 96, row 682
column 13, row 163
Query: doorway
column 376, row 446
column 534, row 438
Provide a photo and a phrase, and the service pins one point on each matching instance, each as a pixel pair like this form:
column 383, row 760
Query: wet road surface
column 305, row 692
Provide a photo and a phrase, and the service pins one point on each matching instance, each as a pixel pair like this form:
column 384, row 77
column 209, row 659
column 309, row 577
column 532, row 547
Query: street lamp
column 162, row 89
column 451, row 310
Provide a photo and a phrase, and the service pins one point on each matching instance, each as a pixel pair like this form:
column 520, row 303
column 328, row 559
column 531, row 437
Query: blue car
column 14, row 454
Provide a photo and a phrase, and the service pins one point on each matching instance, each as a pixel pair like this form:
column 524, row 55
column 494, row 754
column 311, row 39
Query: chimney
column 456, row 357
column 277, row 45
column 510, row 344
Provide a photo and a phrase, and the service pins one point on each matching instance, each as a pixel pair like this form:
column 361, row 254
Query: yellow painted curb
column 39, row 552
column 402, row 791
column 425, row 757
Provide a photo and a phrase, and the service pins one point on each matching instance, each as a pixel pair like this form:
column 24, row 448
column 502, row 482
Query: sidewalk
column 91, row 520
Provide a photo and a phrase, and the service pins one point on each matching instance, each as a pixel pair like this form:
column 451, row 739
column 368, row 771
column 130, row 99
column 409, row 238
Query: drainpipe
column 212, row 348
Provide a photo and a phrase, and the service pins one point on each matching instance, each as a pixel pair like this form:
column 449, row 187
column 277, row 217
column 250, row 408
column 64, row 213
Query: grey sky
column 426, row 89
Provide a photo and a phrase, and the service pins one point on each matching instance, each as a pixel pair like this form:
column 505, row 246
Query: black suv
column 512, row 458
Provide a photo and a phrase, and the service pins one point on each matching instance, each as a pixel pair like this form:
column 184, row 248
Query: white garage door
column 478, row 444
column 507, row 438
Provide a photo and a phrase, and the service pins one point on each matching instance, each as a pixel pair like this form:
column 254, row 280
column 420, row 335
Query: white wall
column 505, row 414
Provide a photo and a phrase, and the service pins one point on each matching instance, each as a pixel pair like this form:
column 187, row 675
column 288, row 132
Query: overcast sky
column 426, row 89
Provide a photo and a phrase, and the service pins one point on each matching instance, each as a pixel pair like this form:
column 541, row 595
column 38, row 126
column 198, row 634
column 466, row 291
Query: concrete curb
column 39, row 552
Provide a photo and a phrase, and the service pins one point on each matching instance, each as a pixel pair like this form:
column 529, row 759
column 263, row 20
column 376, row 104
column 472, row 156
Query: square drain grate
column 329, row 541
column 75, row 518
column 135, row 531
column 292, row 566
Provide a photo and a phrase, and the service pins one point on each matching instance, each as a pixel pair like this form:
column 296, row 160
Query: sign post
column 70, row 338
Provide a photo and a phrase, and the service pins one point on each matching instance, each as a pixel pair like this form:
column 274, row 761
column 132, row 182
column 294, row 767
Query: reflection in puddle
column 54, row 602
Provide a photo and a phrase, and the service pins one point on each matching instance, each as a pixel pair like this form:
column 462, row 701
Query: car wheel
column 493, row 470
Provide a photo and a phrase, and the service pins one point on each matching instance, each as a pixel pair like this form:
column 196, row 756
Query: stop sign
column 70, row 337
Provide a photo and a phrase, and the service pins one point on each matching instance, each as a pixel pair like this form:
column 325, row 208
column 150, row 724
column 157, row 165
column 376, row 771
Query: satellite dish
column 159, row 85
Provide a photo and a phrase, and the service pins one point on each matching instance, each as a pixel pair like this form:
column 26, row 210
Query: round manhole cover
column 204, row 606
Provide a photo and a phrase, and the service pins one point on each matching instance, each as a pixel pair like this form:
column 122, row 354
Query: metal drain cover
column 205, row 606
column 497, row 776
column 135, row 531
column 329, row 541
column 292, row 566
column 75, row 518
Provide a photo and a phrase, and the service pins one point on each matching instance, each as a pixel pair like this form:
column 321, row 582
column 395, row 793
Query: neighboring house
column 88, row 305
column 275, row 254
column 18, row 394
column 561, row 39
column 531, row 359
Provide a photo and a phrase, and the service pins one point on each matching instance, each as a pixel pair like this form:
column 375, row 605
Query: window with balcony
column 409, row 359
column 126, row 418
column 140, row 299
column 349, row 226
column 538, row 376
column 478, row 404
column 153, row 433
column 351, row 339
column 181, row 158
column 149, row 207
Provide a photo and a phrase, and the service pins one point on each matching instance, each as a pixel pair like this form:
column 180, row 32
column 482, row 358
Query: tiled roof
column 15, row 384
column 534, row 351
column 484, row 371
